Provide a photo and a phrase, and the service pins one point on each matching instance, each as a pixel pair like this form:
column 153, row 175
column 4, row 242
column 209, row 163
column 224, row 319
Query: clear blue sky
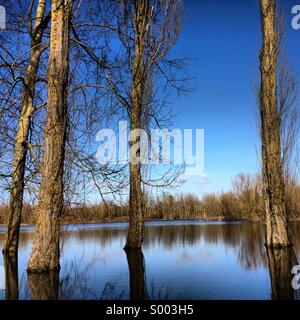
column 224, row 39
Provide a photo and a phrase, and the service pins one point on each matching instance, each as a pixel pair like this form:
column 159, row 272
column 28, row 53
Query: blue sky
column 224, row 38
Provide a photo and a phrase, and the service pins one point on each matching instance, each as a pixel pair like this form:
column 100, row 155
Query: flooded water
column 180, row 260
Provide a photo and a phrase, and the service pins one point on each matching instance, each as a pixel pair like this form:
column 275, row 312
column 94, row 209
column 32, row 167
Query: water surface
column 180, row 260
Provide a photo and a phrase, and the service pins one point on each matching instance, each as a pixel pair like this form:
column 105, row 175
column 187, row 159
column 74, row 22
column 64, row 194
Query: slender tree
column 277, row 232
column 147, row 30
column 45, row 252
column 21, row 143
column 135, row 231
column 150, row 29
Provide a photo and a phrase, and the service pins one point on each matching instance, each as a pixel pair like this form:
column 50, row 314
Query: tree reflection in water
column 11, row 276
column 281, row 262
column 137, row 278
column 94, row 264
column 43, row 286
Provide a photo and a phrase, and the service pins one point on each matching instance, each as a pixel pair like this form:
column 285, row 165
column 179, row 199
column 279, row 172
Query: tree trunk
column 136, row 223
column 21, row 143
column 45, row 251
column 277, row 234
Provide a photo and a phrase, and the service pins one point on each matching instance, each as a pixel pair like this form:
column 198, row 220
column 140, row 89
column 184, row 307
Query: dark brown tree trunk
column 21, row 143
column 281, row 262
column 277, row 232
column 11, row 277
column 45, row 252
column 136, row 266
column 136, row 223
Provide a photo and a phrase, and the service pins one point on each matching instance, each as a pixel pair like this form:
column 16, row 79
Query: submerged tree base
column 132, row 247
column 278, row 246
column 42, row 270
column 278, row 235
column 45, row 254
column 135, row 234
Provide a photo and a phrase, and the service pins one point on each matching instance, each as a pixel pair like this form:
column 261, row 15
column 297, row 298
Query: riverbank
column 245, row 203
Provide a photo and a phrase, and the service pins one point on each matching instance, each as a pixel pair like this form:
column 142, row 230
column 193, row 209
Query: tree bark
column 45, row 252
column 21, row 143
column 277, row 232
column 136, row 223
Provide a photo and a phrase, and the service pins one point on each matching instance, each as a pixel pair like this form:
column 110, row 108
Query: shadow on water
column 137, row 276
column 11, row 277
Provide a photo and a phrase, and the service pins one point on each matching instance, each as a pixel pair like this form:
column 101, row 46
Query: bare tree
column 89, row 104
column 45, row 251
column 289, row 131
column 289, row 119
column 277, row 232
column 147, row 31
column 139, row 77
column 36, row 30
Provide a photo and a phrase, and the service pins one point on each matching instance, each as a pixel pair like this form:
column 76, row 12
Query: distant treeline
column 243, row 202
